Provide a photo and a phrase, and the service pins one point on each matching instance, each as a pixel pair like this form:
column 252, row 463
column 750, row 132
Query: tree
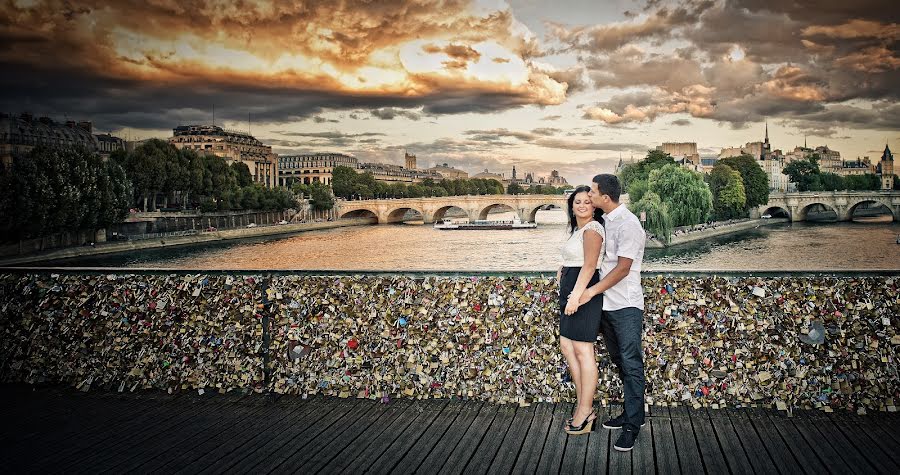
column 684, row 192
column 321, row 198
column 637, row 190
column 756, row 182
column 654, row 160
column 658, row 222
column 866, row 182
column 832, row 182
column 514, row 189
column 728, row 194
column 242, row 174
column 804, row 173
column 342, row 181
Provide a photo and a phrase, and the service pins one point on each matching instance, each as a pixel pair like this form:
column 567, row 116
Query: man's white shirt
column 624, row 237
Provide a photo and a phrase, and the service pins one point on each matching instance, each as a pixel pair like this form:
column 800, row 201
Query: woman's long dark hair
column 573, row 223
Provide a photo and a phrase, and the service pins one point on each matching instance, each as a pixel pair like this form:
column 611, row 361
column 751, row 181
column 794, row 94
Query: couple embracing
column 608, row 300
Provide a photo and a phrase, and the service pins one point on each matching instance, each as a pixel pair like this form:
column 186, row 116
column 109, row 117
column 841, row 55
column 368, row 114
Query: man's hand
column 586, row 296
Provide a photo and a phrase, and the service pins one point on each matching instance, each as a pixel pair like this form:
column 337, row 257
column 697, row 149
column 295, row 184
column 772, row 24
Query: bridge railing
column 729, row 340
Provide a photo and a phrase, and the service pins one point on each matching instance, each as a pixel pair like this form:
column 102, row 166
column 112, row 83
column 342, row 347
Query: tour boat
column 516, row 223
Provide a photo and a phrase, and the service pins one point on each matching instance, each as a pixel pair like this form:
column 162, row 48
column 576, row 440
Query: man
column 623, row 303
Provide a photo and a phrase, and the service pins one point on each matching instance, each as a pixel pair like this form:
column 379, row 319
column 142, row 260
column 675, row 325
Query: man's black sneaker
column 626, row 440
column 617, row 422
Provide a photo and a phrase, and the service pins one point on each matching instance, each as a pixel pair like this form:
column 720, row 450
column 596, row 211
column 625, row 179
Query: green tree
column 514, row 189
column 756, row 182
column 342, row 181
column 658, row 222
column 637, row 190
column 684, row 192
column 654, row 160
column 242, row 174
column 804, row 172
column 832, row 182
column 728, row 194
column 866, row 182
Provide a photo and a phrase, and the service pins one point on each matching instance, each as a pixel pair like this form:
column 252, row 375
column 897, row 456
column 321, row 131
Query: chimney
column 86, row 125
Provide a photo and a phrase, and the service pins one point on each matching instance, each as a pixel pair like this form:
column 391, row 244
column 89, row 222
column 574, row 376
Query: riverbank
column 720, row 230
column 174, row 241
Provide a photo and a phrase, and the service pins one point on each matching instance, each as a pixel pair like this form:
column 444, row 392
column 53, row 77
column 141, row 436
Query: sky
column 564, row 85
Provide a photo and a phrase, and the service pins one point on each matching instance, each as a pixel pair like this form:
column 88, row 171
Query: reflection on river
column 799, row 246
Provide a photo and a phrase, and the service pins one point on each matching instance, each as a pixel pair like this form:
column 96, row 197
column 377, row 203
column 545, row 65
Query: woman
column 579, row 326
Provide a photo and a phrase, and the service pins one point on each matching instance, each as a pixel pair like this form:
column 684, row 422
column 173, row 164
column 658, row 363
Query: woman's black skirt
column 583, row 325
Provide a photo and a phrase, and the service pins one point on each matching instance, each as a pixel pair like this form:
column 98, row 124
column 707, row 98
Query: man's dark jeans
column 622, row 333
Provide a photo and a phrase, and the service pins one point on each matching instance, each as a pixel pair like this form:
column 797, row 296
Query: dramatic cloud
column 389, row 113
column 286, row 61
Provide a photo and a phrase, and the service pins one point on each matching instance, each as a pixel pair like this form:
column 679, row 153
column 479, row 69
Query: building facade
column 312, row 168
column 685, row 151
column 20, row 134
column 885, row 169
column 232, row 146
column 449, row 173
column 410, row 161
column 389, row 173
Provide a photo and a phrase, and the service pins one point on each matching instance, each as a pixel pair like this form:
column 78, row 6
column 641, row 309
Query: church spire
column 767, row 131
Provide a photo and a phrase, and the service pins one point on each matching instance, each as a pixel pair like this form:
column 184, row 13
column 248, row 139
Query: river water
column 798, row 246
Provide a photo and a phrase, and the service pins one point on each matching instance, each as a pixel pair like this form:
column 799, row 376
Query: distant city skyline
column 480, row 85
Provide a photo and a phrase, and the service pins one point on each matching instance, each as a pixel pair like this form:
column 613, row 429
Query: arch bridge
column 796, row 206
column 435, row 208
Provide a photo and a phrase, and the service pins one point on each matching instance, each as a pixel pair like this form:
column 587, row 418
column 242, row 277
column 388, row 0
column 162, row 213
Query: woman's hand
column 572, row 305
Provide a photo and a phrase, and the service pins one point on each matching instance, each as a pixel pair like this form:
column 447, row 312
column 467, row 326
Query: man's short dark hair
column 609, row 185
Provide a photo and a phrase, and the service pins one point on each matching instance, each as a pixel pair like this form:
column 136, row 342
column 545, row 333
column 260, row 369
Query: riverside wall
column 714, row 341
column 170, row 241
column 720, row 230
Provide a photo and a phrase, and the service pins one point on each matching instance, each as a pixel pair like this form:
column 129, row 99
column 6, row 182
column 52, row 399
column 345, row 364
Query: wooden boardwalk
column 59, row 430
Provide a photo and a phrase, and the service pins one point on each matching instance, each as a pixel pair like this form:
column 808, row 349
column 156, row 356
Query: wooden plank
column 891, row 425
column 299, row 457
column 689, row 458
column 389, row 417
column 476, row 457
column 730, row 442
column 428, row 441
column 138, row 435
column 642, row 457
column 663, row 441
column 256, row 462
column 881, row 438
column 707, row 442
column 214, row 436
column 774, row 443
column 440, row 454
column 820, row 446
column 403, row 444
column 379, row 444
column 84, row 445
column 530, row 450
column 759, row 456
column 125, row 446
column 864, row 443
column 573, row 460
column 509, row 450
column 557, row 439
column 845, row 449
column 596, row 457
column 800, row 449
column 169, row 444
column 484, row 424
column 356, row 434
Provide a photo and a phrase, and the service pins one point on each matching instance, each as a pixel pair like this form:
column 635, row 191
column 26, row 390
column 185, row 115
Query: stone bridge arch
column 483, row 212
column 777, row 211
column 805, row 209
column 438, row 214
column 396, row 215
column 851, row 208
column 532, row 213
column 360, row 213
